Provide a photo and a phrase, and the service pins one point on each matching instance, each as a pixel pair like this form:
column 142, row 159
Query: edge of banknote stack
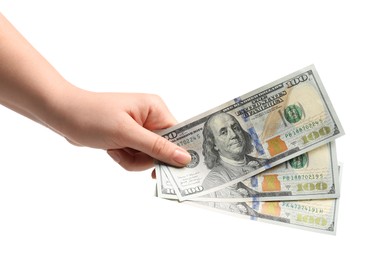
column 269, row 155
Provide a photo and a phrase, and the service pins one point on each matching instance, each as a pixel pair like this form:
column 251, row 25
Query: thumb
column 160, row 148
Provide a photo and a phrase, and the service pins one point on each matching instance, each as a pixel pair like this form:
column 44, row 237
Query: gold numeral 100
column 315, row 135
column 320, row 221
column 311, row 186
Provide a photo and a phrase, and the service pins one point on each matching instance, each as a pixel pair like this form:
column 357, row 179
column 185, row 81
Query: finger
column 153, row 174
column 159, row 148
column 130, row 160
column 159, row 116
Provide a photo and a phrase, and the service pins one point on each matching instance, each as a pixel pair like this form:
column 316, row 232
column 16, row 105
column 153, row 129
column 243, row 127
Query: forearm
column 29, row 85
column 119, row 122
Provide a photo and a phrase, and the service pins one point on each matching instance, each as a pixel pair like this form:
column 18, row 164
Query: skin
column 121, row 123
column 228, row 136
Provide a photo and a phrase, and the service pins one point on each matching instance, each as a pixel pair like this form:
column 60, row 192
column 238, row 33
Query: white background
column 58, row 201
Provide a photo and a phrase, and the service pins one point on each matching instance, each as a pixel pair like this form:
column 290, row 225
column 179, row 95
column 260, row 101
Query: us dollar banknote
column 312, row 175
column 252, row 133
column 315, row 215
column 319, row 215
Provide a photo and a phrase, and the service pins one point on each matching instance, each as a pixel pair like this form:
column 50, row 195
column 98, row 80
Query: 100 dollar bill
column 314, row 215
column 312, row 175
column 319, row 215
column 252, row 133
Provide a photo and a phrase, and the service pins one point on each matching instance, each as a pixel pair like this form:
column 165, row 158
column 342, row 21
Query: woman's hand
column 122, row 124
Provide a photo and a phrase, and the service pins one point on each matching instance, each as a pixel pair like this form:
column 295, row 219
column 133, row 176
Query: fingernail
column 114, row 156
column 181, row 156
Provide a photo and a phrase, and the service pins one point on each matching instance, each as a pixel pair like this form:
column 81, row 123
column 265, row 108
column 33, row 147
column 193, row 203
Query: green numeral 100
column 312, row 186
column 315, row 135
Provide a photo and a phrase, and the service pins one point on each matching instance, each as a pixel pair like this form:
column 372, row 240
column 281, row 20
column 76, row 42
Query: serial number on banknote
column 305, row 208
column 302, row 177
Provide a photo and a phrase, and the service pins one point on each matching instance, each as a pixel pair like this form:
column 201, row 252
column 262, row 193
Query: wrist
column 62, row 109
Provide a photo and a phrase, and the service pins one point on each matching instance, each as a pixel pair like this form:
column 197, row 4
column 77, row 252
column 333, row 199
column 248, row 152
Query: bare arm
column 28, row 82
column 121, row 123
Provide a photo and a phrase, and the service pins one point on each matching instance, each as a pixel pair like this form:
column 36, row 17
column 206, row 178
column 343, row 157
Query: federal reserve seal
column 195, row 159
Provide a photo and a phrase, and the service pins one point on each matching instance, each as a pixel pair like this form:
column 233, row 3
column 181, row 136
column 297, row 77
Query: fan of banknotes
column 269, row 155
